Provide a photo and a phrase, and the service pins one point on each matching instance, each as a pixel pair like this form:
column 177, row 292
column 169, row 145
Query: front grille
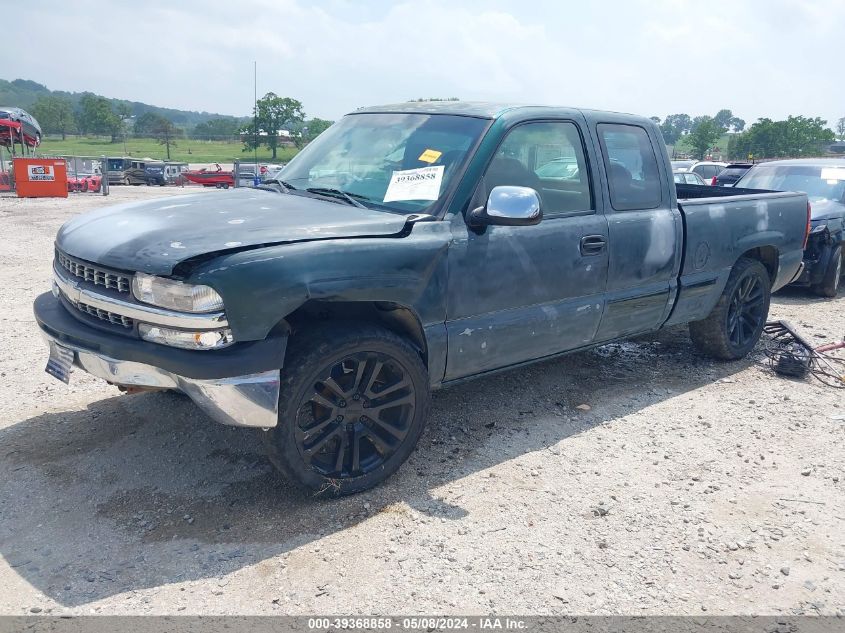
column 105, row 315
column 95, row 275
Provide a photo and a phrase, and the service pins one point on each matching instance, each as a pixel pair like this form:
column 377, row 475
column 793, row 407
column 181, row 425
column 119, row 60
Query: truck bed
column 721, row 223
column 691, row 192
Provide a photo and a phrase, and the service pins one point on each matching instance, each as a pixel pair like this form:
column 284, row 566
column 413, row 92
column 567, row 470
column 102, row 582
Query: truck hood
column 156, row 235
column 825, row 209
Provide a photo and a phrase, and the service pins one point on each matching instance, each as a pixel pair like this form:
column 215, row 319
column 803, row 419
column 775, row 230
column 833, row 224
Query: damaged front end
column 821, row 243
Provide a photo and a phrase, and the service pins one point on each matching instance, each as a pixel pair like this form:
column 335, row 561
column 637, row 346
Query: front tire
column 735, row 324
column 353, row 402
column 829, row 285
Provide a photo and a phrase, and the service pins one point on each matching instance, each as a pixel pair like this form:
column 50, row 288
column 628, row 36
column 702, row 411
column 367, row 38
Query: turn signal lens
column 207, row 339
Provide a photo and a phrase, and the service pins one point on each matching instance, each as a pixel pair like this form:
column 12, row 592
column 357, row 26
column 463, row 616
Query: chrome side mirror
column 509, row 206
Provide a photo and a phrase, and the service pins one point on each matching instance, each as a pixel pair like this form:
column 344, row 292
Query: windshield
column 817, row 181
column 398, row 162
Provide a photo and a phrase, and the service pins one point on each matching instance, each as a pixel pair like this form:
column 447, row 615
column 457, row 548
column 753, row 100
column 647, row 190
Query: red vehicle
column 211, row 178
column 94, row 182
column 84, row 182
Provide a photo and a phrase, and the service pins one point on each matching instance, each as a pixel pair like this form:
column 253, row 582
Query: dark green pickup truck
column 407, row 248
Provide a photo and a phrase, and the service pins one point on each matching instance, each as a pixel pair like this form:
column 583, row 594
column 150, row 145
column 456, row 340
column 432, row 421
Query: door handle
column 593, row 244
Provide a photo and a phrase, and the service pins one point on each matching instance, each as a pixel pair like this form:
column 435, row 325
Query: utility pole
column 255, row 177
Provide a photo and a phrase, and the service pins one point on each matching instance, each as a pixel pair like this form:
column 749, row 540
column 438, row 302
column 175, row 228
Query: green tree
column 158, row 127
column 165, row 132
column 145, row 123
column 674, row 126
column 97, row 117
column 220, row 128
column 272, row 115
column 796, row 136
column 55, row 114
column 724, row 118
column 705, row 132
column 840, row 129
column 313, row 128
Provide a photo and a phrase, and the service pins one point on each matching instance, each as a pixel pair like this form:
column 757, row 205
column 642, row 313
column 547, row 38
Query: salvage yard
column 637, row 478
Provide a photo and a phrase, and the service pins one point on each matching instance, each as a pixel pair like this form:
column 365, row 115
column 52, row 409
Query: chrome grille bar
column 94, row 274
column 105, row 315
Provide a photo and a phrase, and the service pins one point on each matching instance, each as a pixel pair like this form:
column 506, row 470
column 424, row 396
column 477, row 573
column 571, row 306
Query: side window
column 631, row 166
column 548, row 157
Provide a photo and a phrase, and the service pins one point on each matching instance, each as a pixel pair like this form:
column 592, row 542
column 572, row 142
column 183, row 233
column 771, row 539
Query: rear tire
column 829, row 285
column 353, row 402
column 733, row 327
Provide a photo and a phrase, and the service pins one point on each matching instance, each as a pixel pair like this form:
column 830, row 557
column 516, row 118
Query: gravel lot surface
column 688, row 486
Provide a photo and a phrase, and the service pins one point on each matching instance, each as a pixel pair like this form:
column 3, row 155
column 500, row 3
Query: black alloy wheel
column 353, row 401
column 746, row 312
column 735, row 323
column 356, row 416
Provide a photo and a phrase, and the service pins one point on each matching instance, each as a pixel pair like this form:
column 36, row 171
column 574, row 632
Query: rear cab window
column 631, row 165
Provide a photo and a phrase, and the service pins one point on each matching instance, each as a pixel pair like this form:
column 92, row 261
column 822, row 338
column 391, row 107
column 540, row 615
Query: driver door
column 517, row 293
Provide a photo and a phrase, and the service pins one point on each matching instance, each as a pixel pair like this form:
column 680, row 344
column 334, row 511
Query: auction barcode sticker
column 833, row 173
column 415, row 184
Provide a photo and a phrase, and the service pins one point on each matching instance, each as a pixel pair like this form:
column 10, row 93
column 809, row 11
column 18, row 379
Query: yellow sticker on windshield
column 430, row 155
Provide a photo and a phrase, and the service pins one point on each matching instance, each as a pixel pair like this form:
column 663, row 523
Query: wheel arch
column 767, row 255
column 399, row 318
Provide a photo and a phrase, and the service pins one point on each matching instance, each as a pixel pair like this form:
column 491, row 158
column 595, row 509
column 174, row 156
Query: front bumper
column 238, row 385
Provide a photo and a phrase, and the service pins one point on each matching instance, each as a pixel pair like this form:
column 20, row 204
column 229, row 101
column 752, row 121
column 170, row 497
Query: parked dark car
column 730, row 174
column 823, row 180
column 406, row 248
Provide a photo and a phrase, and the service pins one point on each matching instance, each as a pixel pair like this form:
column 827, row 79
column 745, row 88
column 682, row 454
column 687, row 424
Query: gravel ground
column 687, row 486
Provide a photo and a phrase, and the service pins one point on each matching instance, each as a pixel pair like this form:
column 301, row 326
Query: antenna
column 255, row 117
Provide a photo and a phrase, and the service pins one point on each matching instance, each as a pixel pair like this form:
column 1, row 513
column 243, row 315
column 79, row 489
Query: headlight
column 176, row 295
column 820, row 228
column 208, row 339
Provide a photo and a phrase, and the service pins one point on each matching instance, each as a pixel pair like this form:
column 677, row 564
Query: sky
column 652, row 57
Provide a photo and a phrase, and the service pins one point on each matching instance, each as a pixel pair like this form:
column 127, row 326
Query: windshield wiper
column 338, row 193
column 286, row 186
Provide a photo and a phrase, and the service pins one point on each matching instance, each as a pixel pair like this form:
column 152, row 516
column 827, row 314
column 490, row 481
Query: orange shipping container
column 40, row 177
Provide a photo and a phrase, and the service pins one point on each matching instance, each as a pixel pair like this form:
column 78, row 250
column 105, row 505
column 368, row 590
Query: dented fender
column 262, row 286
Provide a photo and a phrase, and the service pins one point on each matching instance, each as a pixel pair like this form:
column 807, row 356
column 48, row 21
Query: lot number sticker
column 833, row 174
column 40, row 172
column 415, row 184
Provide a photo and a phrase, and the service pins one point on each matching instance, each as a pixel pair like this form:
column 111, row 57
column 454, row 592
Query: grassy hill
column 200, row 151
column 22, row 93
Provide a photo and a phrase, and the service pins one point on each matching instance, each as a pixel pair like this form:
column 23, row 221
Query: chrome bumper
column 251, row 400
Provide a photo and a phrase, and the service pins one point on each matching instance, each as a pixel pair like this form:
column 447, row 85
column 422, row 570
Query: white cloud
column 650, row 57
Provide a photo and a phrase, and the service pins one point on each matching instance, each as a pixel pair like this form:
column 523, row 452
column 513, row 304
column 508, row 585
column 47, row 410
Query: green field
column 186, row 150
